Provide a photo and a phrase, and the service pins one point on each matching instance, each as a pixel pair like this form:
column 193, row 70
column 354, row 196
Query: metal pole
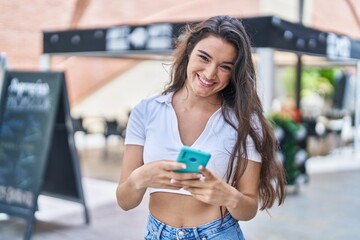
column 299, row 61
column 301, row 11
column 3, row 61
column 298, row 80
column 3, row 67
column 357, row 111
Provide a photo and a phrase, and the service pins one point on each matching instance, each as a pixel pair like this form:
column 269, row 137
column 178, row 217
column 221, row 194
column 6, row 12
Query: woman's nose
column 210, row 72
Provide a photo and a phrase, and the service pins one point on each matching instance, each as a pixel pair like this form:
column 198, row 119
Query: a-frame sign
column 37, row 148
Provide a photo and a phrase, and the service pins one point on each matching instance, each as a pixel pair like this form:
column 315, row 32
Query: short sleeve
column 135, row 129
column 253, row 154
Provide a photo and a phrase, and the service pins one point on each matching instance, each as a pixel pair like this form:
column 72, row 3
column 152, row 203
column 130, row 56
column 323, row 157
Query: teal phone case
column 193, row 158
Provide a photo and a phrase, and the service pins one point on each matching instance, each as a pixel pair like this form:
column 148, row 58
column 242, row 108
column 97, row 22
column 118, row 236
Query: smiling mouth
column 205, row 83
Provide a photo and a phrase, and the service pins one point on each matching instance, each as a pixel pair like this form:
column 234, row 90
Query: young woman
column 210, row 104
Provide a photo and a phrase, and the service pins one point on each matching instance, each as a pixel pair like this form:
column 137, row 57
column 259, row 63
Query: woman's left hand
column 209, row 189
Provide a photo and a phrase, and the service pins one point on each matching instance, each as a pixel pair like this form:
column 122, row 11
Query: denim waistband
column 197, row 232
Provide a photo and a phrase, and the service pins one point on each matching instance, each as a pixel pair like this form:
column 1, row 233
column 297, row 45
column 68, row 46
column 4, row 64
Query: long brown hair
column 239, row 98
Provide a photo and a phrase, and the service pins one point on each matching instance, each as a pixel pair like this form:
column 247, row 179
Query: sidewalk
column 327, row 208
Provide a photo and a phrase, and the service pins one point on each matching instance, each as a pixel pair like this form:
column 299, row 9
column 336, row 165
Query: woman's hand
column 209, row 188
column 159, row 174
column 242, row 201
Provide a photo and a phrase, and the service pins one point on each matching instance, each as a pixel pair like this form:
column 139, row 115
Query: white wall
column 116, row 98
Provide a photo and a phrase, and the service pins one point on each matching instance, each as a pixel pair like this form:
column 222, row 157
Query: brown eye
column 226, row 68
column 204, row 58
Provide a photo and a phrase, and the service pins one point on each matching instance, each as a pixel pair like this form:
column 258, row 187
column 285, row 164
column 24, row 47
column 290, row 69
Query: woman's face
column 210, row 66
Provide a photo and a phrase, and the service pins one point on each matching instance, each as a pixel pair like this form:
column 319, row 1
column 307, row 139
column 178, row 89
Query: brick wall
column 336, row 16
column 22, row 23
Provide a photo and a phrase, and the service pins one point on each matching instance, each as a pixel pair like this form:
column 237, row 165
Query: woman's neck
column 189, row 101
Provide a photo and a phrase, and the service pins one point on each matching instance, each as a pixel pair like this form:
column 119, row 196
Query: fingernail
column 184, row 166
column 199, row 176
column 172, row 180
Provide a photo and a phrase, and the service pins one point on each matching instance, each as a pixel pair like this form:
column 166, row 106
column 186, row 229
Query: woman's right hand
column 139, row 176
column 160, row 174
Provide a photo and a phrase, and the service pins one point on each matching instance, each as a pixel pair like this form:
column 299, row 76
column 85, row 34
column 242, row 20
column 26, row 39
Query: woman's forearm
column 241, row 206
column 128, row 194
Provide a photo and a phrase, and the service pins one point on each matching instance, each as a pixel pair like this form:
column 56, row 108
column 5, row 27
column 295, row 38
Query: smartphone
column 193, row 158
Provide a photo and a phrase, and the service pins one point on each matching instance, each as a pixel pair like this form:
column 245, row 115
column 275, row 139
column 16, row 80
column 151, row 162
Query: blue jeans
column 228, row 230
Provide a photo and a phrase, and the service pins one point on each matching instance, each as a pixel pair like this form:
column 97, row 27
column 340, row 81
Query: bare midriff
column 181, row 211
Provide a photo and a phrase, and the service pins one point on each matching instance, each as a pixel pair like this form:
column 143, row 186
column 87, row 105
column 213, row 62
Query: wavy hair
column 239, row 98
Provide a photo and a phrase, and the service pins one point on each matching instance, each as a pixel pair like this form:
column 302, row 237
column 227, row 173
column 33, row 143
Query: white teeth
column 205, row 82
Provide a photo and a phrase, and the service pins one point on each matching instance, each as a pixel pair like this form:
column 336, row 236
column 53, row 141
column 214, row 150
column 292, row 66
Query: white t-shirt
column 153, row 124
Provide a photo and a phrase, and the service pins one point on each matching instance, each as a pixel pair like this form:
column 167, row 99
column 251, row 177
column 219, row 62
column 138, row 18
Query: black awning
column 158, row 39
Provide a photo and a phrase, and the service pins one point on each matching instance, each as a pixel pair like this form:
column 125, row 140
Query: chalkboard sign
column 37, row 150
